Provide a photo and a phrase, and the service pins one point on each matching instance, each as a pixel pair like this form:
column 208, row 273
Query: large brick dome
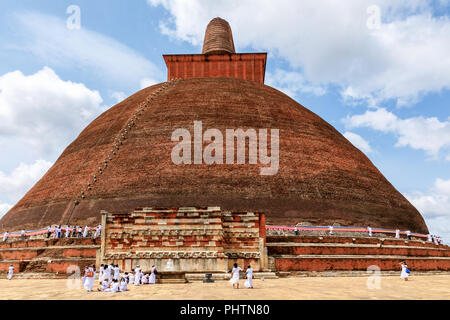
column 322, row 177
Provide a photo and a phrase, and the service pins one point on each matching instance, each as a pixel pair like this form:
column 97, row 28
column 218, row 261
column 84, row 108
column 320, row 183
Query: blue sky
column 379, row 72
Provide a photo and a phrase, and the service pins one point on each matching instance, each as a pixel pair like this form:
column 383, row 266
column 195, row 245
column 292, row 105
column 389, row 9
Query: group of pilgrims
column 56, row 232
column 112, row 280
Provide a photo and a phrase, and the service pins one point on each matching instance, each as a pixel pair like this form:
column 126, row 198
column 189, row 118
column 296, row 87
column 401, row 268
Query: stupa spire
column 218, row 38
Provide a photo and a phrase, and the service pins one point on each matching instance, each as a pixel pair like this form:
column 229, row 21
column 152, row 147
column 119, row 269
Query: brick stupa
column 122, row 160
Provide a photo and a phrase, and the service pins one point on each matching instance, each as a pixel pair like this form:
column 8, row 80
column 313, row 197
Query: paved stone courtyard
column 295, row 288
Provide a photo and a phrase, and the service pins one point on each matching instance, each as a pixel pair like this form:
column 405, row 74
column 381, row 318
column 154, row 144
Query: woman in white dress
column 5, row 236
column 101, row 275
column 90, row 278
column 137, row 276
column 404, row 274
column 10, row 272
column 235, row 276
column 249, row 282
column 152, row 279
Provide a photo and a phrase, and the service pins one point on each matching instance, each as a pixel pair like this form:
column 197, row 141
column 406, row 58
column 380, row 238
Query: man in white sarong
column 5, row 236
column 10, row 272
column 397, row 234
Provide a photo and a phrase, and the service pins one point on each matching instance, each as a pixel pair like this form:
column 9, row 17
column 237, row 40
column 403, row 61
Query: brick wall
column 247, row 66
column 195, row 239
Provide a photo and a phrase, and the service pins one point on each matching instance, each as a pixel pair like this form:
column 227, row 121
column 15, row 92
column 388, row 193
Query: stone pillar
column 103, row 237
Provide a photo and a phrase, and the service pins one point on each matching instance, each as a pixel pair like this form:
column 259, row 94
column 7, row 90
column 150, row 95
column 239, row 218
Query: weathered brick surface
column 322, row 179
column 196, row 239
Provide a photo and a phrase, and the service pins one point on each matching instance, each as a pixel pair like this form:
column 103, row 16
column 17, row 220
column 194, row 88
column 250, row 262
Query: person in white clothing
column 85, row 233
column 116, row 272
column 144, row 279
column 235, row 276
column 405, row 272
column 98, row 231
column 5, row 236
column 397, row 234
column 123, row 285
column 137, row 276
column 67, row 232
column 101, row 275
column 114, row 287
column 22, row 235
column 107, row 272
column 152, row 279
column 408, row 234
column 90, row 278
column 104, row 285
column 249, row 282
column 331, row 228
column 10, row 272
column 131, row 277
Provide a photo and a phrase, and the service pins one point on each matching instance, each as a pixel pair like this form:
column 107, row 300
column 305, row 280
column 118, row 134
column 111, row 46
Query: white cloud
column 48, row 38
column 292, row 83
column 330, row 43
column 435, row 207
column 428, row 134
column 119, row 96
column 147, row 82
column 358, row 142
column 44, row 111
column 13, row 186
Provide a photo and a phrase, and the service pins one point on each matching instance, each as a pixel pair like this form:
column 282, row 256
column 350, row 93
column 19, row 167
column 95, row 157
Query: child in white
column 10, row 272
column 404, row 274
column 105, row 285
column 114, row 287
column 249, row 282
column 123, row 285
column 152, row 279
column 235, row 276
column 131, row 277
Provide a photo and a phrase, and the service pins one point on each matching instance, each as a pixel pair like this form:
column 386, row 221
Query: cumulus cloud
column 428, row 134
column 48, row 38
column 435, row 207
column 358, row 142
column 331, row 42
column 147, row 82
column 292, row 83
column 14, row 185
column 44, row 111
